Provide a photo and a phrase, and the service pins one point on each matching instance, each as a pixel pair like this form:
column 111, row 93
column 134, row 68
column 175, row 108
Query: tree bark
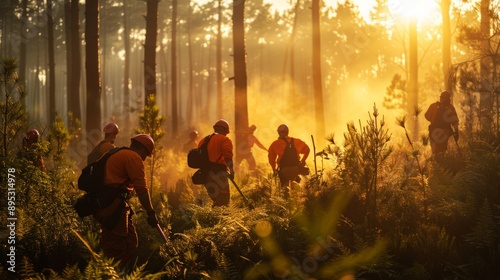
column 52, row 63
column 240, row 76
column 173, row 54
column 316, row 70
column 23, row 42
column 486, row 96
column 218, row 58
column 190, row 99
column 413, row 82
column 150, row 48
column 126, row 67
column 445, row 12
column 93, row 112
column 73, row 57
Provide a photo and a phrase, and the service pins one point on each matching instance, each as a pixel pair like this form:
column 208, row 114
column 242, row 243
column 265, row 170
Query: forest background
column 312, row 66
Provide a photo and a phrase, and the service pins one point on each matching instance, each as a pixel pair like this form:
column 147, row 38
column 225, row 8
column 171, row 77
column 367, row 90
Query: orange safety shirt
column 219, row 145
column 105, row 147
column 277, row 149
column 126, row 165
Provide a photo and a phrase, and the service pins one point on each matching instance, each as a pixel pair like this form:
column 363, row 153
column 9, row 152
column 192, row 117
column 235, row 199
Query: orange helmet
column 222, row 123
column 146, row 141
column 252, row 127
column 31, row 136
column 110, row 128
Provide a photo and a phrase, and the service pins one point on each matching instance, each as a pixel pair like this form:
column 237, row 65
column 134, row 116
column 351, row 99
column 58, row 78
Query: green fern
column 485, row 233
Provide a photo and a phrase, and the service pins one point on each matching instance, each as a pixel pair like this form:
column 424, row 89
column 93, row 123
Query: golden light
column 421, row 9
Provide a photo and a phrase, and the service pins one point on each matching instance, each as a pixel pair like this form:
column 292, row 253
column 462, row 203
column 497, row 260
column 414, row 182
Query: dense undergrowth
column 379, row 209
column 368, row 215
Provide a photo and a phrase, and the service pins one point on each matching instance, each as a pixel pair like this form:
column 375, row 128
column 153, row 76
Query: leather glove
column 231, row 175
column 152, row 220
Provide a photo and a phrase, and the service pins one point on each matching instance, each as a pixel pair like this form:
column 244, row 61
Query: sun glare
column 421, row 9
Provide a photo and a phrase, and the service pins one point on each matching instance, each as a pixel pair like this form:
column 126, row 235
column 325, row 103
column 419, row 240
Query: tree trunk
column 150, row 49
column 445, row 13
column 93, row 112
column 413, row 82
column 218, row 59
column 126, row 67
column 73, row 63
column 190, row 100
column 173, row 54
column 23, row 43
column 240, row 76
column 293, row 92
column 316, row 70
column 486, row 95
column 52, row 63
column 103, row 36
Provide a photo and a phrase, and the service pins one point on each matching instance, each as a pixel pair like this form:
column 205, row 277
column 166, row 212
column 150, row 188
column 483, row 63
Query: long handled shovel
column 243, row 196
column 455, row 136
column 167, row 241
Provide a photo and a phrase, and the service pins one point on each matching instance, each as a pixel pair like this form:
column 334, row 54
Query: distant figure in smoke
column 29, row 149
column 110, row 131
column 246, row 150
column 192, row 143
column 444, row 123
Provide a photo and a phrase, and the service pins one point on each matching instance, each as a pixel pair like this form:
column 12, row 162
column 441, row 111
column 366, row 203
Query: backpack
column 198, row 158
column 91, row 181
column 289, row 157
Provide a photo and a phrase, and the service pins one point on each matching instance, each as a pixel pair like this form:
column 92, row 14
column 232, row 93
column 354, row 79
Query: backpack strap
column 291, row 141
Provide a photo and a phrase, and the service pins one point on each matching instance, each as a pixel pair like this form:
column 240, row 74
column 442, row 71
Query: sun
column 418, row 9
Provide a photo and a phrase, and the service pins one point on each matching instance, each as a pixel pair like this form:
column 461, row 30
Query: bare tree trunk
column 69, row 69
column 293, row 91
column 240, row 76
column 316, row 70
column 486, row 95
column 150, row 49
column 126, row 67
column 73, row 64
column 413, row 82
column 174, row 104
column 93, row 112
column 23, row 42
column 445, row 13
column 219, row 60
column 104, row 61
column 190, row 99
column 52, row 63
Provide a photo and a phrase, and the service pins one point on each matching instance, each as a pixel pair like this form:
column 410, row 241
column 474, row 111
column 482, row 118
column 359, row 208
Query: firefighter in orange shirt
column 246, row 151
column 125, row 171
column 29, row 149
column 220, row 154
column 444, row 123
column 191, row 143
column 284, row 158
column 110, row 131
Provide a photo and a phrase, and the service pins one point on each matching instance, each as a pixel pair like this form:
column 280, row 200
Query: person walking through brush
column 284, row 158
column 110, row 131
column 192, row 143
column 246, row 151
column 125, row 171
column 443, row 120
column 29, row 149
column 220, row 155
